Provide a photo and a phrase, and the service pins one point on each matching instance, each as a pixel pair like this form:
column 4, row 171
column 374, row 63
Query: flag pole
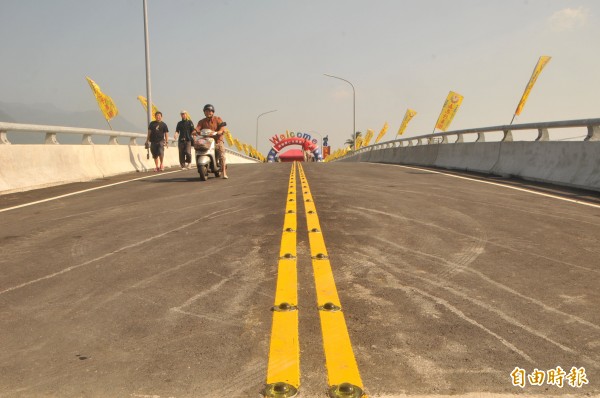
column 109, row 124
column 513, row 119
column 148, row 90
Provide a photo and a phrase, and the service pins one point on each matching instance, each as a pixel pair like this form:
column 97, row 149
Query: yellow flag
column 145, row 105
column 382, row 132
column 449, row 109
column 368, row 136
column 106, row 104
column 237, row 144
column 228, row 137
column 359, row 142
column 245, row 147
column 544, row 59
column 407, row 116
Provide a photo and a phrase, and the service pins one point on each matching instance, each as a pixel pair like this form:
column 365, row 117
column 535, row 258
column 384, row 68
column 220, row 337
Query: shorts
column 157, row 149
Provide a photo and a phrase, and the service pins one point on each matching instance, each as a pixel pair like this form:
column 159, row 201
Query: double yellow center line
column 283, row 371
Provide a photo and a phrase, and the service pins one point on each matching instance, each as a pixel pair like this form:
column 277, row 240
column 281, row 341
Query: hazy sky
column 249, row 57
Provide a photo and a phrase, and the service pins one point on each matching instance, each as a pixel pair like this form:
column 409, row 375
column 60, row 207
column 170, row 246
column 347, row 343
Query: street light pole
column 148, row 90
column 258, row 117
column 353, row 106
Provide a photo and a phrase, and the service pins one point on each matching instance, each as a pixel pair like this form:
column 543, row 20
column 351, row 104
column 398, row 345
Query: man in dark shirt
column 158, row 136
column 216, row 124
column 183, row 135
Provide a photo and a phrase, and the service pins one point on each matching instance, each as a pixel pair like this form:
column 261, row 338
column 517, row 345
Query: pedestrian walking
column 158, row 137
column 183, row 135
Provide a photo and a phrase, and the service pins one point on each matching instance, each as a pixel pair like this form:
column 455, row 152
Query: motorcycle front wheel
column 203, row 171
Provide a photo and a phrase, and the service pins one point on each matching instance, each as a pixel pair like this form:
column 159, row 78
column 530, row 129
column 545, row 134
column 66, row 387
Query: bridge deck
column 162, row 286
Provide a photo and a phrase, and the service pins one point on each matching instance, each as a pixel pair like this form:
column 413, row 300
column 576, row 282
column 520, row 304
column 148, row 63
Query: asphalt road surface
column 159, row 285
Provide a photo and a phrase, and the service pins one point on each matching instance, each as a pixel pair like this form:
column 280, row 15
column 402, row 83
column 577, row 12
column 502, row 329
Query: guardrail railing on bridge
column 572, row 163
column 52, row 131
column 86, row 133
column 50, row 164
column 593, row 134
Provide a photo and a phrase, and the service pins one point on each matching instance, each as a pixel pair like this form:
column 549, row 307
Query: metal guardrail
column 593, row 128
column 51, row 132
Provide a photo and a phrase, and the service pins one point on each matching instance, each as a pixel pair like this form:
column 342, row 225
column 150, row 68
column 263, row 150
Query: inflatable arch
column 305, row 140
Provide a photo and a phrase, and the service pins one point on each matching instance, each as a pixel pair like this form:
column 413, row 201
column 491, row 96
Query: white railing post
column 87, row 139
column 51, row 139
column 543, row 135
column 3, row 138
column 593, row 133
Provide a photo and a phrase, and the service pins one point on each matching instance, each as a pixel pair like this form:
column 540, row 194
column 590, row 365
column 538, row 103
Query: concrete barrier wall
column 24, row 167
column 475, row 156
column 575, row 164
column 234, row 158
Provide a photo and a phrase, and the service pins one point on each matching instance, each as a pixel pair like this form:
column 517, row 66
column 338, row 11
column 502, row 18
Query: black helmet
column 209, row 107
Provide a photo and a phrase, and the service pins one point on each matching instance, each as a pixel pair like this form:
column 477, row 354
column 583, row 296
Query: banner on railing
column 105, row 103
column 451, row 105
column 368, row 137
column 144, row 102
column 544, row 59
column 407, row 117
column 238, row 144
column 359, row 142
column 384, row 129
column 228, row 137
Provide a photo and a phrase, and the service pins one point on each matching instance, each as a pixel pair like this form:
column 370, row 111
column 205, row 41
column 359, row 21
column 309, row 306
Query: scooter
column 206, row 159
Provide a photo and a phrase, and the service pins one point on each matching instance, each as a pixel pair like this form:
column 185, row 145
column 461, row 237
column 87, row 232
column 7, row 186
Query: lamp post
column 353, row 106
column 147, row 43
column 258, row 117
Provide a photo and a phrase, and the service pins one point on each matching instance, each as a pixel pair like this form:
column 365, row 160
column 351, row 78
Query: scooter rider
column 216, row 124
